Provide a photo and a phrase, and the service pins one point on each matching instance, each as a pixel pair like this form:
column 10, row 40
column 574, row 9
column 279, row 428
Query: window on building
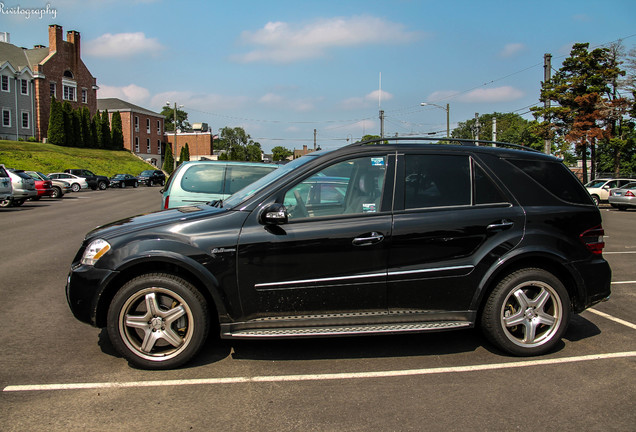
column 6, row 118
column 53, row 90
column 158, row 146
column 84, row 96
column 24, row 87
column 136, row 144
column 147, row 125
column 158, row 127
column 26, row 123
column 69, row 93
column 148, row 149
column 136, row 125
column 5, row 83
column 68, row 74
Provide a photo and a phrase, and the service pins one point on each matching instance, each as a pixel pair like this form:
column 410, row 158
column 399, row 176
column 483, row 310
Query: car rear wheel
column 102, row 185
column 527, row 312
column 596, row 199
column 75, row 187
column 158, row 321
column 57, row 192
column 135, row 184
column 122, row 185
column 5, row 203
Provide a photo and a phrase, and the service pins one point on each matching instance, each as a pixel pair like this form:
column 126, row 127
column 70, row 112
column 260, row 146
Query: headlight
column 95, row 251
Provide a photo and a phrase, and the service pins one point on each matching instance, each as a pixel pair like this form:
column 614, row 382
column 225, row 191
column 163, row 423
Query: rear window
column 556, row 178
column 204, row 179
column 238, row 177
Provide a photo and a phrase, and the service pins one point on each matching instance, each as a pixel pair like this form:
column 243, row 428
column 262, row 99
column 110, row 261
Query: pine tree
column 56, row 124
column 117, row 134
column 168, row 160
column 105, row 130
column 67, row 112
column 187, row 152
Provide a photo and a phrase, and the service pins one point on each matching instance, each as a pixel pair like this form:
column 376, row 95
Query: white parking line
column 612, row 318
column 315, row 377
column 623, row 282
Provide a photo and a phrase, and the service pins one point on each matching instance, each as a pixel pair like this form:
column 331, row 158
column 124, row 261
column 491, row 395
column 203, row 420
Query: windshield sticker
column 377, row 161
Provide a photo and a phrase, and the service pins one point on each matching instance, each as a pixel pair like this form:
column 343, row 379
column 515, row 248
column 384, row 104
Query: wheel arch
column 202, row 280
column 541, row 260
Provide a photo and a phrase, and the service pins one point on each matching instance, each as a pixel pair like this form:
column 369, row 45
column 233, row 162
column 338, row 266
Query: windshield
column 144, row 173
column 596, row 183
column 260, row 184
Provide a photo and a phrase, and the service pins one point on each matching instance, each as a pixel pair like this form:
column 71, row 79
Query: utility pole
column 174, row 153
column 476, row 128
column 494, row 130
column 315, row 135
column 547, row 76
column 381, row 123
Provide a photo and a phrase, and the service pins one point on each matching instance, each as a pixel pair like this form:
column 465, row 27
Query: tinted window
column 556, row 178
column 486, row 192
column 350, row 187
column 437, row 181
column 204, row 179
column 238, row 177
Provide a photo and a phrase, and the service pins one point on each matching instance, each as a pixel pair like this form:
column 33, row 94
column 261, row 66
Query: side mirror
column 274, row 214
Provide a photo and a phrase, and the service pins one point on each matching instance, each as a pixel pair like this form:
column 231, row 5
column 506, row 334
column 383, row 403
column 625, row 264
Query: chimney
column 74, row 38
column 55, row 38
column 5, row 37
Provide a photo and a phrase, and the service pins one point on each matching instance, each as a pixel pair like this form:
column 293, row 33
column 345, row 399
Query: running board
column 346, row 330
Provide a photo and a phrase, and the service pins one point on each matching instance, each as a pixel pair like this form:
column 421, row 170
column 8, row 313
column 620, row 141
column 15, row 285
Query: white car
column 76, row 182
column 599, row 188
column 6, row 190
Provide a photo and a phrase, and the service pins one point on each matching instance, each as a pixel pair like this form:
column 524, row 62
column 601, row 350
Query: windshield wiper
column 216, row 203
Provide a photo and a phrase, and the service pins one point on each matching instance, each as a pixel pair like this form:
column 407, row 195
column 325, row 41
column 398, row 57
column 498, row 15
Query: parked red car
column 44, row 187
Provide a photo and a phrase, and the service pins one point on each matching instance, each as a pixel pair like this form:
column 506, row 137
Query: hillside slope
column 49, row 158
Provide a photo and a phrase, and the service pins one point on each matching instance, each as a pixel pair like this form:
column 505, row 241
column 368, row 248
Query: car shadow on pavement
column 581, row 328
column 356, row 347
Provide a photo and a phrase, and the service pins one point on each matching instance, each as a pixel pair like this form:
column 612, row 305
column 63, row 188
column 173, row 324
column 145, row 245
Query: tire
column 158, row 321
column 162, row 182
column 57, row 192
column 596, row 199
column 122, row 185
column 6, row 203
column 136, row 184
column 102, row 185
column 19, row 202
column 75, row 187
column 36, row 198
column 527, row 312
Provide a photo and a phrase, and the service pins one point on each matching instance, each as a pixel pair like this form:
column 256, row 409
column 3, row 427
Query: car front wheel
column 527, row 312
column 57, row 192
column 158, row 321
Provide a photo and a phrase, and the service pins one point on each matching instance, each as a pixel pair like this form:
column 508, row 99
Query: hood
column 154, row 219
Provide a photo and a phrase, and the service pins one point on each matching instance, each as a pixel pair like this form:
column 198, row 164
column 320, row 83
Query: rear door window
column 237, row 176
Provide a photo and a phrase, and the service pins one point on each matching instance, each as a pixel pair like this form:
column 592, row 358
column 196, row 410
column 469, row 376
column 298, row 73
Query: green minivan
column 198, row 182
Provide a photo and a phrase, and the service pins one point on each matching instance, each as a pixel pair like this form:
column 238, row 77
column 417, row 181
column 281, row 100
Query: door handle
column 368, row 239
column 501, row 225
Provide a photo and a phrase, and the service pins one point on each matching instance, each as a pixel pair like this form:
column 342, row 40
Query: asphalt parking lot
column 60, row 374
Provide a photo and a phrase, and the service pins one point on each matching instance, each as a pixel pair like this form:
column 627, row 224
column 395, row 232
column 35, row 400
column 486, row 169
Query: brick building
column 200, row 141
column 31, row 77
column 143, row 129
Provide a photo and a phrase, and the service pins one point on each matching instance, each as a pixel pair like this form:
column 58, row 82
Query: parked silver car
column 623, row 197
column 77, row 183
column 23, row 188
column 6, row 190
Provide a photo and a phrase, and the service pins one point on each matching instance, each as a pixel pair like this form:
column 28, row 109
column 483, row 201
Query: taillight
column 629, row 193
column 593, row 240
column 165, row 204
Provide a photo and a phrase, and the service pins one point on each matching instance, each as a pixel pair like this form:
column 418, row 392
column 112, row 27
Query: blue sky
column 281, row 69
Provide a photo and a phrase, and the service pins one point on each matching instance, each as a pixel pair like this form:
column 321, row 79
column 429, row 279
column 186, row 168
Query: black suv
column 94, row 181
column 151, row 177
column 371, row 238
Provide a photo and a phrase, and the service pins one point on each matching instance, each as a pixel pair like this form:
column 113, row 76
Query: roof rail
column 455, row 141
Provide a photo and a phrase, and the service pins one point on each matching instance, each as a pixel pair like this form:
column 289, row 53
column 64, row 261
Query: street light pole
column 174, row 151
column 447, row 109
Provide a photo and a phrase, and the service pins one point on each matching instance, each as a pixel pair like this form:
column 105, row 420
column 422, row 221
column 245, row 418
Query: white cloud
column 365, row 101
column 275, row 100
column 122, row 45
column 512, row 49
column 497, row 94
column 131, row 93
column 281, row 42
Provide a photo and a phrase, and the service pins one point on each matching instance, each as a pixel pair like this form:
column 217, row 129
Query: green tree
column 117, row 134
column 56, row 124
column 85, row 124
column 187, row 152
column 583, row 82
column 182, row 118
column 67, row 111
column 280, row 153
column 104, row 130
column 168, row 160
column 238, row 145
column 511, row 128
